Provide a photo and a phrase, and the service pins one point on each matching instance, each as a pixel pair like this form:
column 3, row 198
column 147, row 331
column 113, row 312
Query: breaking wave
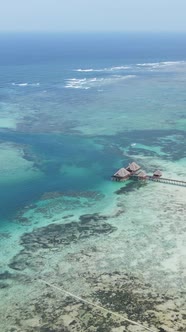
column 109, row 69
column 87, row 83
column 119, row 68
column 159, row 65
column 87, row 70
column 25, row 84
column 76, row 83
column 147, row 66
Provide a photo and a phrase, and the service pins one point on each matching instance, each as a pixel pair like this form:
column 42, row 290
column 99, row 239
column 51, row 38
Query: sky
column 93, row 15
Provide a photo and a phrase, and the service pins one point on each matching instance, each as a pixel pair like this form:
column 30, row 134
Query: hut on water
column 142, row 175
column 133, row 168
column 121, row 175
column 157, row 174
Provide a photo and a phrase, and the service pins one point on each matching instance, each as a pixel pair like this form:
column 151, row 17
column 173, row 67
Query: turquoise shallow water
column 68, row 121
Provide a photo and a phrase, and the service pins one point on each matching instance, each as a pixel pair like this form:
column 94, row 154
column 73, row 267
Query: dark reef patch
column 65, row 234
column 5, row 275
column 171, row 142
column 48, row 122
column 6, row 279
column 58, row 236
column 129, row 187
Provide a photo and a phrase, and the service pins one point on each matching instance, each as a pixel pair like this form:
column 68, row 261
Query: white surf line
column 96, row 306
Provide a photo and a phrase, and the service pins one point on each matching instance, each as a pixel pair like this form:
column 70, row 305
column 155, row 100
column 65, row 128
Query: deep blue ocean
column 86, row 49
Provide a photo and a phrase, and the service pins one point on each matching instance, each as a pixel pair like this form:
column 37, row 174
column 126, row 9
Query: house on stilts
column 142, row 175
column 133, row 171
column 121, row 175
column 157, row 174
column 133, row 168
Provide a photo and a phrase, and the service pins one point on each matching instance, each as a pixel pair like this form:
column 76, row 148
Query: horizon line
column 95, row 31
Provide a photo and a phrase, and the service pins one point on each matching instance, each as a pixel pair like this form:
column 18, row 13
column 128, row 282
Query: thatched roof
column 122, row 173
column 142, row 174
column 133, row 167
column 157, row 173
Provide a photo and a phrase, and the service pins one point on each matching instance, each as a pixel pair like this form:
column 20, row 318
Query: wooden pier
column 168, row 181
column 161, row 180
column 132, row 171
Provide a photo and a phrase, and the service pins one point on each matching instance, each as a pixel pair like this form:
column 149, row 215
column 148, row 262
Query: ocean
column 74, row 109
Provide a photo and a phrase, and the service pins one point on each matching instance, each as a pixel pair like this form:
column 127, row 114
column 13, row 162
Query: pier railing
column 162, row 180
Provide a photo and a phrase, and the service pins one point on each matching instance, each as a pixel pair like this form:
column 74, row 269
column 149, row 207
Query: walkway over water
column 163, row 180
column 134, row 171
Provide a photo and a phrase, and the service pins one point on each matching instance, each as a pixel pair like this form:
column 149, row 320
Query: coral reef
column 58, row 236
column 121, row 293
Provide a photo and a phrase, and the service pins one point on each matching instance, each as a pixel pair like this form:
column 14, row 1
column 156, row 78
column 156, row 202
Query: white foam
column 76, row 83
column 20, row 84
column 169, row 63
column 89, row 70
column 25, row 84
column 159, row 65
column 103, row 69
column 125, row 77
column 85, row 70
column 148, row 65
column 87, row 83
column 118, row 68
